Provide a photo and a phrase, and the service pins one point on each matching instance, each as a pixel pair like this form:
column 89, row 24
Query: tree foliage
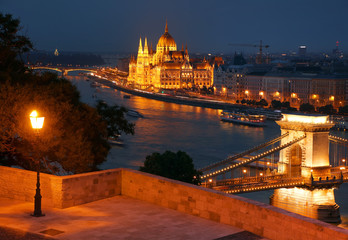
column 12, row 44
column 115, row 117
column 306, row 107
column 73, row 139
column 328, row 109
column 343, row 110
column 178, row 166
column 276, row 104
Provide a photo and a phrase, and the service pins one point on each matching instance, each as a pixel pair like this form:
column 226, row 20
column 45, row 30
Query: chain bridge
column 302, row 176
column 303, row 149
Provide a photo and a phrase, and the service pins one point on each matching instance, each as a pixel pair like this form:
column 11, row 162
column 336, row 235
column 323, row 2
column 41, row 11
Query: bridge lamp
column 37, row 124
column 210, row 180
column 344, row 161
column 261, row 174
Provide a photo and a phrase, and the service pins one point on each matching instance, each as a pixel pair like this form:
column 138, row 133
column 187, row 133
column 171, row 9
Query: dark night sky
column 206, row 26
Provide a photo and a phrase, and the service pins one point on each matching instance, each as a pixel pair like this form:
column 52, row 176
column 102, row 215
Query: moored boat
column 115, row 141
column 133, row 113
column 244, row 118
column 270, row 114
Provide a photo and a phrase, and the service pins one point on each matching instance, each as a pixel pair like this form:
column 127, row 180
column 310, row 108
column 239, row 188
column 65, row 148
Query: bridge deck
column 253, row 184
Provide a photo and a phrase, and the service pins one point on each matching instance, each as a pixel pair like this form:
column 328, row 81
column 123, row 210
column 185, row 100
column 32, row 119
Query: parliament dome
column 166, row 41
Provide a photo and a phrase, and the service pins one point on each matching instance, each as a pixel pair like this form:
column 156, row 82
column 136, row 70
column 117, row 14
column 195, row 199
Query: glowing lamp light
column 293, row 95
column 246, row 92
column 36, row 122
column 261, row 93
column 244, row 171
column 332, row 98
column 277, row 93
column 210, row 180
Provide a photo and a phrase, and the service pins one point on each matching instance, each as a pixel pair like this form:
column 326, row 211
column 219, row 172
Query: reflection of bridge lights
column 342, row 168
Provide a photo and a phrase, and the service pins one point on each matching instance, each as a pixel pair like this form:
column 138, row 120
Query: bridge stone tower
column 307, row 156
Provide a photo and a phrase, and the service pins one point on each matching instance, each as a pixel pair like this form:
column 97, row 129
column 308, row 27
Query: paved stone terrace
column 118, row 217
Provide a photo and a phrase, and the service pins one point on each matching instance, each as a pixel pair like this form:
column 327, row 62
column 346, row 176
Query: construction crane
column 260, row 46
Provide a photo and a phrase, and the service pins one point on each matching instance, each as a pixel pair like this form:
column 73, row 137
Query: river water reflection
column 195, row 130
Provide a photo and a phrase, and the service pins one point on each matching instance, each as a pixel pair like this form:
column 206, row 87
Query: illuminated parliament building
column 168, row 68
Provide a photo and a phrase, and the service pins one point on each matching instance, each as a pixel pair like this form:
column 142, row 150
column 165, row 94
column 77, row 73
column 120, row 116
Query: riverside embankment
column 199, row 102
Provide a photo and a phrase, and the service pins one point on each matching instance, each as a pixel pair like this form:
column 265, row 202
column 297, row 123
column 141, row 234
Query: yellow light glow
column 246, row 92
column 244, row 171
column 317, row 196
column 277, row 93
column 342, row 168
column 293, row 95
column 224, row 89
column 332, row 98
column 314, row 96
column 261, row 174
column 36, row 122
column 261, row 93
column 210, row 180
column 305, row 119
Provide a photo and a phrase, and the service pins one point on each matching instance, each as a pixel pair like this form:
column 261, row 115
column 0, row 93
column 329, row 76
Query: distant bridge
column 63, row 70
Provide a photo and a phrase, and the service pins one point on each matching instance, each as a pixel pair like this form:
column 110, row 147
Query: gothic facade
column 168, row 68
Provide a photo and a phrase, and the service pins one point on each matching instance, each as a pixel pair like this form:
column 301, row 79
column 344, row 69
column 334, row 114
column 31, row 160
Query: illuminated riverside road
column 195, row 130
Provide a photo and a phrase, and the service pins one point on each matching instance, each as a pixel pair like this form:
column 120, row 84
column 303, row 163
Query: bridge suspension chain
column 252, row 159
column 231, row 158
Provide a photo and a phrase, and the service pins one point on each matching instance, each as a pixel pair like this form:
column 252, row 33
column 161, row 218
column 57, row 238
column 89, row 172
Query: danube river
column 195, row 130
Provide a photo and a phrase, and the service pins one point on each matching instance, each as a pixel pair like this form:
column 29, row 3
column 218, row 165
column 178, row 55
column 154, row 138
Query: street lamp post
column 37, row 123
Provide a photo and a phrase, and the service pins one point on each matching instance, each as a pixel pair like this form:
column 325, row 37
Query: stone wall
column 259, row 218
column 60, row 191
column 256, row 217
column 88, row 187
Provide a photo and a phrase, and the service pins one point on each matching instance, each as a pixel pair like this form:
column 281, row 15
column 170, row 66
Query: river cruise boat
column 244, row 118
column 275, row 115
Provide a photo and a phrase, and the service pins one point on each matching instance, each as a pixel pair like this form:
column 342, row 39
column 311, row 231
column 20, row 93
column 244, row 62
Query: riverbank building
column 168, row 68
